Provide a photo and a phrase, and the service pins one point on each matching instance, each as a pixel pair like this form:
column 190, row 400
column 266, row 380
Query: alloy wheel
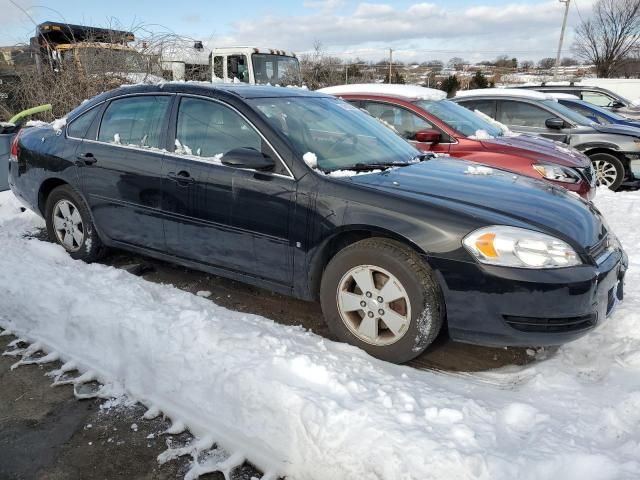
column 374, row 305
column 67, row 223
column 606, row 173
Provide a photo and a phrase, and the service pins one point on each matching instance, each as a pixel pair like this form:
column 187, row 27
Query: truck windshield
column 276, row 69
column 339, row 135
column 459, row 118
column 100, row 60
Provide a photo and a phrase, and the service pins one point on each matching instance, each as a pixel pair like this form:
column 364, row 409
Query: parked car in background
column 429, row 121
column 597, row 114
column 304, row 194
column 599, row 96
column 614, row 150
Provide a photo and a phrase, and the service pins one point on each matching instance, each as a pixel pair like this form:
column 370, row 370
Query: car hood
column 538, row 149
column 617, row 129
column 495, row 196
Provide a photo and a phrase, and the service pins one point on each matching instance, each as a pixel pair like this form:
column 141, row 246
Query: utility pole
column 390, row 63
column 564, row 25
column 346, row 74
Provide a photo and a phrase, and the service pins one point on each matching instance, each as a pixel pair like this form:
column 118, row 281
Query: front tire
column 381, row 296
column 70, row 225
column 609, row 170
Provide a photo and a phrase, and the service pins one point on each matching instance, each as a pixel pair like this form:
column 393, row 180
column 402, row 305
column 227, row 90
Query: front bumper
column 497, row 306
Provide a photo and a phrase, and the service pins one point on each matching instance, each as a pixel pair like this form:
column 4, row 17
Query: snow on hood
column 59, row 124
column 310, row 159
column 413, row 92
column 481, row 135
column 505, row 130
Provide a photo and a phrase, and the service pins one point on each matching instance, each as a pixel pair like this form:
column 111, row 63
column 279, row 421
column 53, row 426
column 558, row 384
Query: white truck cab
column 255, row 66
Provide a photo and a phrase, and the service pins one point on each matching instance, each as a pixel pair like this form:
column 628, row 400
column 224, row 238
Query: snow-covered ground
column 298, row 405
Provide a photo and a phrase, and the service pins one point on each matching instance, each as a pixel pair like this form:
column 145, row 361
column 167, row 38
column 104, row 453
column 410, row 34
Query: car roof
column 407, row 92
column 207, row 89
column 504, row 92
column 563, row 96
column 566, row 86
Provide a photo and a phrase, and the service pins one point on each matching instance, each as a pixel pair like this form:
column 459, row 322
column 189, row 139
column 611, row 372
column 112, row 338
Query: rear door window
column 488, row 107
column 522, row 114
column 135, row 121
column 401, row 120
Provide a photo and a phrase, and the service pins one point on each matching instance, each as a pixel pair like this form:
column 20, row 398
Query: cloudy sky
column 440, row 29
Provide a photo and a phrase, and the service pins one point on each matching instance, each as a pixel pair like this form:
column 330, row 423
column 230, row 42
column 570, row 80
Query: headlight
column 518, row 247
column 557, row 173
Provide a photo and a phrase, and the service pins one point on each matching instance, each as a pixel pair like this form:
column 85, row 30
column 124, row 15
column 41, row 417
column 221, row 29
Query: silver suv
column 614, row 150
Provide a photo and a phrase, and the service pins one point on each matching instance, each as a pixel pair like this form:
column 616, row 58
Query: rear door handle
column 87, row 159
column 182, row 177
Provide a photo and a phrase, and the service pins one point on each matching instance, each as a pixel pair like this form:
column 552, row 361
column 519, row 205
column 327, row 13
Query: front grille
column 551, row 325
column 589, row 174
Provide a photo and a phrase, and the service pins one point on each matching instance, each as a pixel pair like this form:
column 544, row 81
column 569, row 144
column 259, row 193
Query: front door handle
column 182, row 177
column 86, row 158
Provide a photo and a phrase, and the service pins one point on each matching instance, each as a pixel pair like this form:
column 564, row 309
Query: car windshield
column 276, row 69
column 459, row 118
column 339, row 135
column 603, row 111
column 566, row 112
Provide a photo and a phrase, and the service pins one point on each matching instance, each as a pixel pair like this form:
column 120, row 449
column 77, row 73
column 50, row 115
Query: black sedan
column 304, row 194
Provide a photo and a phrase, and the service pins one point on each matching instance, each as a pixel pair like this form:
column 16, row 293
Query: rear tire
column 354, row 285
column 70, row 225
column 609, row 170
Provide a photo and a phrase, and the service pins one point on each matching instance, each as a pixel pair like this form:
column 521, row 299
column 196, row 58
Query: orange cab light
column 485, row 245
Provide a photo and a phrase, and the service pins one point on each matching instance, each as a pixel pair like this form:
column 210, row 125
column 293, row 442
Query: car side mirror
column 554, row 123
column 247, row 158
column 617, row 104
column 428, row 136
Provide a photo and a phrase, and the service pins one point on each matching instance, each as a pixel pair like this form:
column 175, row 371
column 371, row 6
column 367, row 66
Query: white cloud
column 526, row 30
column 10, row 13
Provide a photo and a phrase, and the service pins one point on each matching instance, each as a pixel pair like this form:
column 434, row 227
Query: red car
column 425, row 118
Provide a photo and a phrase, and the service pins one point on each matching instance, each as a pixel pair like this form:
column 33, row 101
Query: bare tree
column 547, row 63
column 569, row 62
column 457, row 63
column 606, row 39
column 526, row 65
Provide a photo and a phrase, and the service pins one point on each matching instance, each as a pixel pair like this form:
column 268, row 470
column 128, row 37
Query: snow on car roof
column 507, row 92
column 411, row 92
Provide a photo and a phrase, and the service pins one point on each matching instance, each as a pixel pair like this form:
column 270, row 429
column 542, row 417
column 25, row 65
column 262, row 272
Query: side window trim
column 165, row 122
column 172, row 129
column 451, row 140
column 95, row 121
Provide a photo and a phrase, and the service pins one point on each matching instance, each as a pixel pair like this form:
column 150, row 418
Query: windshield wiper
column 366, row 167
column 363, row 167
column 422, row 157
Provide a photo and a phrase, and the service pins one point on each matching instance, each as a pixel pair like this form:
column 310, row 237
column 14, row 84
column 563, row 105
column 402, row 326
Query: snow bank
column 298, row 405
